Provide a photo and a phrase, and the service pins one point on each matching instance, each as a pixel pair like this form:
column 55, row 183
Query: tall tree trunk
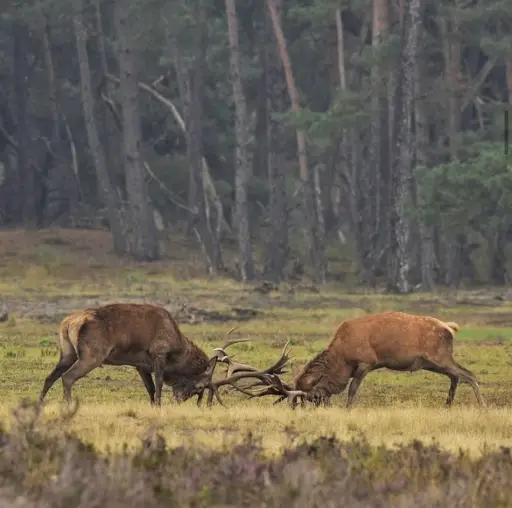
column 107, row 126
column 399, row 261
column 314, row 237
column 50, row 70
column 348, row 163
column 114, row 212
column 508, row 74
column 376, row 181
column 143, row 239
column 426, row 230
column 277, row 250
column 62, row 171
column 243, row 165
column 497, row 247
column 26, row 171
column 451, row 49
column 452, row 70
column 190, row 84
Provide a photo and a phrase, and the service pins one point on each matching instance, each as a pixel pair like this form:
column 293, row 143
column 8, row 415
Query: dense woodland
column 301, row 129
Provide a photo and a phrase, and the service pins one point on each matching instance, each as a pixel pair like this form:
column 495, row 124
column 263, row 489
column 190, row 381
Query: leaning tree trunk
column 142, row 237
column 399, row 260
column 311, row 212
column 243, row 164
column 114, row 213
column 277, row 247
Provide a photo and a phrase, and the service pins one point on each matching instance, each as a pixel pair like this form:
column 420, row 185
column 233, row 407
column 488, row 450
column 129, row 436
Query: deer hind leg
column 358, row 376
column 87, row 361
column 456, row 372
column 470, row 378
column 64, row 364
column 454, row 381
column 145, row 375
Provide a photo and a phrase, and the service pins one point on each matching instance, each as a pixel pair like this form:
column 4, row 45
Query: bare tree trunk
column 203, row 221
column 452, row 70
column 26, row 171
column 399, row 260
column 376, row 180
column 243, row 166
column 143, row 239
column 107, row 125
column 347, row 166
column 114, row 213
column 314, row 237
column 277, row 247
column 426, row 229
column 451, row 48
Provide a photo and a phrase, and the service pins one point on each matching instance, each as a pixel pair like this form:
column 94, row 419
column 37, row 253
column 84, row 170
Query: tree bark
column 375, row 188
column 107, row 126
column 314, row 239
column 142, row 237
column 452, row 57
column 426, row 230
column 277, row 246
column 26, row 171
column 242, row 165
column 205, row 221
column 399, row 260
column 114, row 212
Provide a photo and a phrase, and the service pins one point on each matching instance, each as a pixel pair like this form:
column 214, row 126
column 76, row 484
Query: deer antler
column 284, row 390
column 266, row 376
column 219, row 351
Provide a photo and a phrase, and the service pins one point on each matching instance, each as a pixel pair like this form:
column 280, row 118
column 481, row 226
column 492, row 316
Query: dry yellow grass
column 112, row 426
column 56, row 271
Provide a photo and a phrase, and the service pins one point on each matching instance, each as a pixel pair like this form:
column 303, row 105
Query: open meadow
column 47, row 274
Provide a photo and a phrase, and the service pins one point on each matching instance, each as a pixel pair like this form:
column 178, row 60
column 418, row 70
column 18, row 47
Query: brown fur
column 141, row 335
column 392, row 340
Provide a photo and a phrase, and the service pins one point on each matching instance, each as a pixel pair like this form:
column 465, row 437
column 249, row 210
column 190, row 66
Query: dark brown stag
column 393, row 340
column 148, row 338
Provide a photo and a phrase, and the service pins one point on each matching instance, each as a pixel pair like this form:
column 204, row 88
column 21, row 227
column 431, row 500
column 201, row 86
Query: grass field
column 45, row 275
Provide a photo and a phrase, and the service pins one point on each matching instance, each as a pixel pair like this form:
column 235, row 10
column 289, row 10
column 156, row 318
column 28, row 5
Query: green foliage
column 348, row 109
column 475, row 193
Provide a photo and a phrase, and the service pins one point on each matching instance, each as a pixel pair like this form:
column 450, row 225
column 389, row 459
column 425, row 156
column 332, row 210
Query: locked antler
column 267, row 377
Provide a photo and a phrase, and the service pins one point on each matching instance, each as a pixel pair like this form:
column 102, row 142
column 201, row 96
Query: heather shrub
column 44, row 466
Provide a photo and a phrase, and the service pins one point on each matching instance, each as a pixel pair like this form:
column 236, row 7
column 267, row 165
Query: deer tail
column 454, row 327
column 69, row 333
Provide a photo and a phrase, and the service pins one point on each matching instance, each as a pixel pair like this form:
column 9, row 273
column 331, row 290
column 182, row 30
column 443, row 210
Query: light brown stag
column 393, row 340
column 148, row 338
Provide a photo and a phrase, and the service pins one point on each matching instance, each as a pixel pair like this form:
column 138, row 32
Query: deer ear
column 211, row 366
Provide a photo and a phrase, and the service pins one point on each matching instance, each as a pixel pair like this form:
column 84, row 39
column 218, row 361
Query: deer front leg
column 159, row 364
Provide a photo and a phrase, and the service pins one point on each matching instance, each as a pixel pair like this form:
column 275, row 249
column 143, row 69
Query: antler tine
column 291, row 395
column 219, row 351
column 231, row 331
column 277, row 368
column 239, row 367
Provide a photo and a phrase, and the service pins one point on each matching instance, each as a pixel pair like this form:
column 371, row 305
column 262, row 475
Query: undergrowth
column 43, row 465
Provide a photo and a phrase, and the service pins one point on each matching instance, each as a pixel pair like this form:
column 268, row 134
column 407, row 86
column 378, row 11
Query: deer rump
column 393, row 340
